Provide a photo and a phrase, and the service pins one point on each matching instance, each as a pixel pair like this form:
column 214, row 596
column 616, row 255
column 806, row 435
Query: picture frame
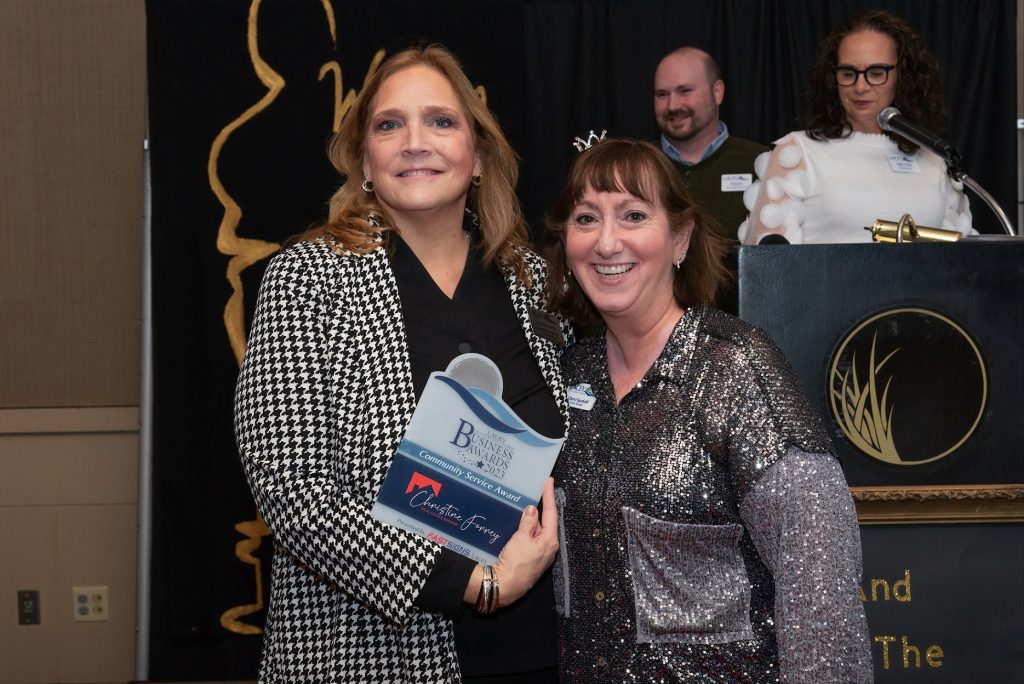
column 995, row 503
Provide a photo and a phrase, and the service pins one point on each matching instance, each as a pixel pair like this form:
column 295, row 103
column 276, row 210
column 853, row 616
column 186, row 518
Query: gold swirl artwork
column 245, row 252
column 254, row 531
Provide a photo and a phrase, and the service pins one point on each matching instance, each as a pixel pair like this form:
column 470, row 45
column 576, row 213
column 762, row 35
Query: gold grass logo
column 907, row 386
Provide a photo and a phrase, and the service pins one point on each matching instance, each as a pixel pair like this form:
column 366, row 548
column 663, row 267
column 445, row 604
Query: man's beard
column 685, row 134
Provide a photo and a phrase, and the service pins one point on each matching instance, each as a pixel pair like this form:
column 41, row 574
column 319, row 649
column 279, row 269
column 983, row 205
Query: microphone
column 773, row 239
column 890, row 120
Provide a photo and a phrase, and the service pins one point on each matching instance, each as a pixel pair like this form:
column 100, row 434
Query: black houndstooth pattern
column 324, row 396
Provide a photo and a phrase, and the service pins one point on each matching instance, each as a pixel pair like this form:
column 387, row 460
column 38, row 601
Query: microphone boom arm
column 989, row 200
column 890, row 120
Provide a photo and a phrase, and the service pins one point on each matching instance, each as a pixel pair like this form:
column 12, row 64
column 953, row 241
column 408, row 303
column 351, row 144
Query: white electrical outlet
column 89, row 604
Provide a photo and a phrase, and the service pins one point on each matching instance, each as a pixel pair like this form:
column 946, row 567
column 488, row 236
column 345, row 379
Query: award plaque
column 467, row 465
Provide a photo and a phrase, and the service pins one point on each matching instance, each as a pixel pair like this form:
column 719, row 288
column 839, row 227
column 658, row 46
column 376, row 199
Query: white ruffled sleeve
column 775, row 202
column 958, row 208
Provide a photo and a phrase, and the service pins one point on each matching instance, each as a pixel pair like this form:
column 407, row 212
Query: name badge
column 902, row 163
column 546, row 326
column 581, row 397
column 736, row 182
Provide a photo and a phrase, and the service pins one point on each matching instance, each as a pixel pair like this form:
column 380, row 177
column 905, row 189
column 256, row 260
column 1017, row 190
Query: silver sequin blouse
column 707, row 534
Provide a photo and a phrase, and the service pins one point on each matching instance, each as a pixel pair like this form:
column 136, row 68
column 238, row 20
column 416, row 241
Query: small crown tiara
column 580, row 144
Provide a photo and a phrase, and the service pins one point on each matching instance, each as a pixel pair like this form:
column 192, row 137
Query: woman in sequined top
column 708, row 532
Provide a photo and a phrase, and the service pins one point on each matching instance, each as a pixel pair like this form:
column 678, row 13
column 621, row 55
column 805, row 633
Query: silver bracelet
column 487, row 599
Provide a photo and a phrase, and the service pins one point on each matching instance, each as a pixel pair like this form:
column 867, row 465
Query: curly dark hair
column 918, row 93
column 642, row 170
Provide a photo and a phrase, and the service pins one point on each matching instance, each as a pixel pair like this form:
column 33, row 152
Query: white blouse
column 817, row 192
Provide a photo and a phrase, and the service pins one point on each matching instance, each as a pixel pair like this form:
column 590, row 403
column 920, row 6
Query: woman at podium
column 827, row 183
column 709, row 534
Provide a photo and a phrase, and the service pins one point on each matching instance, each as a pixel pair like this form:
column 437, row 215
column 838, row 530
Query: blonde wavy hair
column 504, row 230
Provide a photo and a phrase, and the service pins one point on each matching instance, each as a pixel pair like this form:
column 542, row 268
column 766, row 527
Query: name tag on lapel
column 903, row 163
column 736, row 182
column 546, row 326
column 581, row 396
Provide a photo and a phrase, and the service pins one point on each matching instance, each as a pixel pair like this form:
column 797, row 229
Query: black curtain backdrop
column 552, row 71
column 591, row 65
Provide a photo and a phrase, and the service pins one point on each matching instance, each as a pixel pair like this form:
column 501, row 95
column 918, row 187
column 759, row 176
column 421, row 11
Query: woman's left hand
column 530, row 550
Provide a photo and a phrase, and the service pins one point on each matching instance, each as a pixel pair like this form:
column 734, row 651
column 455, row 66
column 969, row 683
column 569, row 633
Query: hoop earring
column 475, row 182
column 367, row 185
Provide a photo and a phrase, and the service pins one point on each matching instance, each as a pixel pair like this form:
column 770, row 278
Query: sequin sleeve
column 801, row 519
column 757, row 408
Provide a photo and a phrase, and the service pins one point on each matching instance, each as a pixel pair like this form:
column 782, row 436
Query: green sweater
column 704, row 180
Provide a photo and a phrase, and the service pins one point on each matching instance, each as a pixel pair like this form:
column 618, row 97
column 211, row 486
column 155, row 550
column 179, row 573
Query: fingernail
column 530, row 510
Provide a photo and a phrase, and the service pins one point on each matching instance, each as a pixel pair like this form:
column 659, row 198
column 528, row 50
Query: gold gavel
column 905, row 230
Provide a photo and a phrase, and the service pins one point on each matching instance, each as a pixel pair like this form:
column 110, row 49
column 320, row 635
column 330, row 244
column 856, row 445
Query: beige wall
column 67, row 518
column 72, row 114
column 72, row 117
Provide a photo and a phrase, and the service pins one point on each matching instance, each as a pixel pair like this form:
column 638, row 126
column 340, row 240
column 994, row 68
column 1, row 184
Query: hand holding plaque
column 530, row 550
column 468, row 466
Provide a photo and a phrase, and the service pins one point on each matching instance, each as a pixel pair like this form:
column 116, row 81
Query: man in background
column 717, row 167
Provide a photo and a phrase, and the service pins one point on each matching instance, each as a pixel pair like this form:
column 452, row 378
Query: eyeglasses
column 876, row 74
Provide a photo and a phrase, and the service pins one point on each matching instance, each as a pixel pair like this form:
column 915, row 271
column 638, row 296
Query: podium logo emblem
column 907, row 386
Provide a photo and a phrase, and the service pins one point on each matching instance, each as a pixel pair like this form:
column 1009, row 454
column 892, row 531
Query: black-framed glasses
column 876, row 74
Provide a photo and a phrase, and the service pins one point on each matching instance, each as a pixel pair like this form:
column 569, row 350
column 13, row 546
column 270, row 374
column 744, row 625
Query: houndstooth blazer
column 324, row 396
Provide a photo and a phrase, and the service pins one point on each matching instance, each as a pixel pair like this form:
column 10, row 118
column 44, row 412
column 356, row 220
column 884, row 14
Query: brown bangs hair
column 644, row 171
column 503, row 228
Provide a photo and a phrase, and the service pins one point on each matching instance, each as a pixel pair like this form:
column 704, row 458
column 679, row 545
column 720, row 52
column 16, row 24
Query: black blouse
column 480, row 318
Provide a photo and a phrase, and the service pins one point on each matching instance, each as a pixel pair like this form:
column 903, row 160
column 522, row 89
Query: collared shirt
column 673, row 153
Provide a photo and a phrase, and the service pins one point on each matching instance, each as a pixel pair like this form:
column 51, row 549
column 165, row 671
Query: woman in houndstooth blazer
column 330, row 380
